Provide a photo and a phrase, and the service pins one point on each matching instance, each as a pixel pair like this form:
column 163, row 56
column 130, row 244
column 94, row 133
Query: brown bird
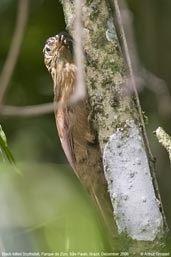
column 77, row 136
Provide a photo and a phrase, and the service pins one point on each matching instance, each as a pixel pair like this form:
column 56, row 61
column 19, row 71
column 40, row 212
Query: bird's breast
column 64, row 82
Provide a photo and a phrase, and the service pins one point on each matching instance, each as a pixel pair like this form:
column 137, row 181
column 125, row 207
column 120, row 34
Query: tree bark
column 116, row 117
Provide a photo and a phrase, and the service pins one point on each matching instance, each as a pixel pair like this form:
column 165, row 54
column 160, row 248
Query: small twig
column 80, row 91
column 164, row 139
column 13, row 53
column 26, row 111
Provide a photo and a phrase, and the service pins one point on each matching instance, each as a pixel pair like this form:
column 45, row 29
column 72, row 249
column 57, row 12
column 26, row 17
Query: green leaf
column 4, row 147
column 5, row 151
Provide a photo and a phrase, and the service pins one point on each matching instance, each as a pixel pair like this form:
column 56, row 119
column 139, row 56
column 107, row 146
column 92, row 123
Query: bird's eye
column 47, row 49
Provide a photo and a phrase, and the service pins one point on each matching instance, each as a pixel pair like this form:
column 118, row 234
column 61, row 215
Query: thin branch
column 142, row 77
column 26, row 111
column 164, row 139
column 129, row 52
column 13, row 53
column 80, row 91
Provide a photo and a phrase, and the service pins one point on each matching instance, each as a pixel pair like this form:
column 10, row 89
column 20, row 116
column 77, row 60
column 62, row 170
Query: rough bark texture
column 115, row 117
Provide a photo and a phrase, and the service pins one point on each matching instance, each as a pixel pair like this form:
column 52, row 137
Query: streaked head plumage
column 57, row 48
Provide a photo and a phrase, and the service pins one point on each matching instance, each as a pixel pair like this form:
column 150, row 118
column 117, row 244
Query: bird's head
column 57, row 49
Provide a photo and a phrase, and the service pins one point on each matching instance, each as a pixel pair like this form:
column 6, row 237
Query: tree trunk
column 116, row 117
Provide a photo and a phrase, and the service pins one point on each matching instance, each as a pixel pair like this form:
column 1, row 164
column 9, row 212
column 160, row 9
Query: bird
column 77, row 135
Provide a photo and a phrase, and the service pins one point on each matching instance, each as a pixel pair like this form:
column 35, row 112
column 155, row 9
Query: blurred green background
column 35, row 140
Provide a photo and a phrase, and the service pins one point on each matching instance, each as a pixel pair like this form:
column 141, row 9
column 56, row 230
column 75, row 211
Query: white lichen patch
column 127, row 172
column 111, row 32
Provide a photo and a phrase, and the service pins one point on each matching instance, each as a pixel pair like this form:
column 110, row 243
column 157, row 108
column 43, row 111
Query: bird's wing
column 65, row 135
